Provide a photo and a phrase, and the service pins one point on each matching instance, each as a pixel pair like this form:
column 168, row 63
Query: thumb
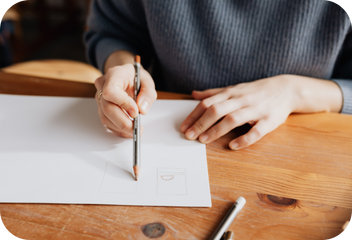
column 147, row 94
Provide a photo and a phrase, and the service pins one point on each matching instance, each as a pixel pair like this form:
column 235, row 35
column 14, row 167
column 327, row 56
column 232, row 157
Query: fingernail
column 234, row 146
column 132, row 113
column 145, row 106
column 184, row 127
column 203, row 138
column 190, row 134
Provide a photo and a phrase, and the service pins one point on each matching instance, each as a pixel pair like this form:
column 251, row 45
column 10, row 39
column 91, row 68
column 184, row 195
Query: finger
column 120, row 134
column 214, row 113
column 258, row 131
column 147, row 94
column 231, row 121
column 119, row 81
column 111, row 126
column 201, row 108
column 99, row 83
column 200, row 95
column 120, row 121
column 252, row 123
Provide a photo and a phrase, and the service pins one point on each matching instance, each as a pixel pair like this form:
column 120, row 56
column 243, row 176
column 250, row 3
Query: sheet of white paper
column 55, row 150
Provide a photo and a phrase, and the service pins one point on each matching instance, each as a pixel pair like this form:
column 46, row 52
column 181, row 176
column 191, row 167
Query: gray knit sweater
column 202, row 44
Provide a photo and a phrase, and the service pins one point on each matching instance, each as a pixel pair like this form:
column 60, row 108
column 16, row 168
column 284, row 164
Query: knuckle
column 107, row 109
column 124, row 135
column 215, row 132
column 109, row 73
column 97, row 82
column 199, row 125
column 202, row 105
column 116, row 132
column 104, row 121
column 245, row 140
column 257, row 132
column 215, row 110
column 124, row 127
column 125, row 104
column 106, row 93
column 228, row 91
column 245, row 98
column 154, row 95
column 150, row 94
column 205, row 103
column 232, row 119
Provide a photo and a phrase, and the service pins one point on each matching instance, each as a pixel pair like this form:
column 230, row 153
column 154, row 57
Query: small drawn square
column 118, row 180
column 171, row 181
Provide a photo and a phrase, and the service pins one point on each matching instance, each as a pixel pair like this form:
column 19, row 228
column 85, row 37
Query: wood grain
column 257, row 220
column 56, row 69
column 32, row 85
column 308, row 159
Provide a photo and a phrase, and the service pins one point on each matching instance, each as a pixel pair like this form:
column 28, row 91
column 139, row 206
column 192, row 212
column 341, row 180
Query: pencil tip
column 136, row 170
column 137, row 59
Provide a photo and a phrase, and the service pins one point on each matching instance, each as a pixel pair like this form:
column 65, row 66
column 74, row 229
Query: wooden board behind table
column 297, row 182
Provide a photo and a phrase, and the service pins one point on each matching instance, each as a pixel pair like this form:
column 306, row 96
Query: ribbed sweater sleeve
column 346, row 89
column 116, row 25
column 342, row 74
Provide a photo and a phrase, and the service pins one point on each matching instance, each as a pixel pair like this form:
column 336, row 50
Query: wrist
column 314, row 95
column 118, row 58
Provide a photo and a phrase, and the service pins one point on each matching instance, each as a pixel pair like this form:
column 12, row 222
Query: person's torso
column 202, row 44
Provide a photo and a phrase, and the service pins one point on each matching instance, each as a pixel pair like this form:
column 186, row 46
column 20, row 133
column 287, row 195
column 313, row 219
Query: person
column 246, row 61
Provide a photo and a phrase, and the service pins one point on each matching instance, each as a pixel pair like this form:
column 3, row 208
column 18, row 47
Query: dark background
column 45, row 29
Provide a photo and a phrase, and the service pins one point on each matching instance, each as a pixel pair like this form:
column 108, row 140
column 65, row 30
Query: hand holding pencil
column 116, row 95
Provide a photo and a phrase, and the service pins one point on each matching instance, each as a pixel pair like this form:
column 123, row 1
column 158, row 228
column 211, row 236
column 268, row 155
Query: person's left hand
column 265, row 104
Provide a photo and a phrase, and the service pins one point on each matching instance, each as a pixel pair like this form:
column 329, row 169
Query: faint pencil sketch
column 171, row 181
column 118, row 180
column 167, row 177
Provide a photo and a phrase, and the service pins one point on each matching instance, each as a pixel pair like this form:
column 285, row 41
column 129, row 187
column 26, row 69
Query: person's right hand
column 117, row 96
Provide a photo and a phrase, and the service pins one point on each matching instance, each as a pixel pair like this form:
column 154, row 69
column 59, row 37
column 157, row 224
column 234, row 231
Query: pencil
column 136, row 123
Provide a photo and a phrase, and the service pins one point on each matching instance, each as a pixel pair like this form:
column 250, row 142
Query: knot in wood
column 281, row 200
column 153, row 230
column 278, row 203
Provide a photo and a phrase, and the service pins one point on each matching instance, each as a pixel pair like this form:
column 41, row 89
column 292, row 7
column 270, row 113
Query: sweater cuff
column 106, row 47
column 346, row 88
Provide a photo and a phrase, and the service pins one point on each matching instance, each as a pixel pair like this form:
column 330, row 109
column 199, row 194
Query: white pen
column 231, row 215
column 136, row 123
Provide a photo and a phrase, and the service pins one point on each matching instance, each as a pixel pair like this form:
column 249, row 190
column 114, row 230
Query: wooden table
column 297, row 181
